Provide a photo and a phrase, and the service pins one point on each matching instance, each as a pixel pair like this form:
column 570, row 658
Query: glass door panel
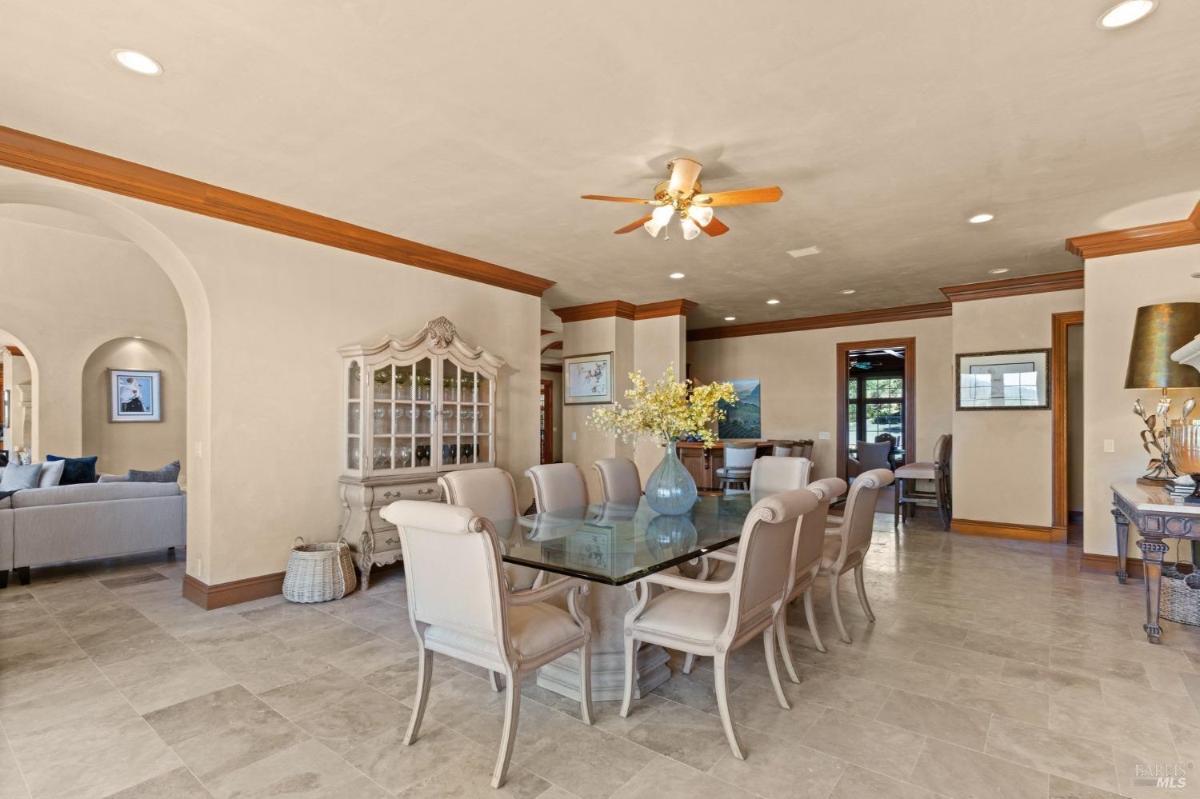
column 354, row 381
column 352, row 459
column 422, row 455
column 449, row 381
column 354, row 417
column 483, row 419
column 483, row 449
column 381, row 453
column 403, row 452
column 466, row 451
column 468, row 386
column 382, row 383
column 423, row 380
column 404, row 382
column 382, row 419
column 403, row 419
column 483, row 390
column 421, row 418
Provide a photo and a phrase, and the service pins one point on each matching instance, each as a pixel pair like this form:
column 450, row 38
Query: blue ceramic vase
column 671, row 490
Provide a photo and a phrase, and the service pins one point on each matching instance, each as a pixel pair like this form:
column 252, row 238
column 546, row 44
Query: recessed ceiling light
column 139, row 338
column 849, row 291
column 1125, row 13
column 803, row 252
column 730, row 318
column 677, row 276
column 1000, row 270
column 137, row 62
column 772, row 301
column 979, row 219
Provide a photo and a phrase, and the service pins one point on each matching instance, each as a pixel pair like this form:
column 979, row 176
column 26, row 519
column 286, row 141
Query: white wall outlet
column 1110, row 445
column 574, row 436
column 823, row 436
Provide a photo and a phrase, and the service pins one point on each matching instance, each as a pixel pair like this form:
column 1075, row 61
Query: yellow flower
column 669, row 410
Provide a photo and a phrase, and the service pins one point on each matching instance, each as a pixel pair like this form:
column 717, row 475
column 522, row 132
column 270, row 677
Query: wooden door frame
column 910, row 393
column 1059, row 323
column 548, row 441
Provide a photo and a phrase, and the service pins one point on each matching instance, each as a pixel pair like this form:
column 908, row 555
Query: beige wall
column 1002, row 459
column 798, row 372
column 582, row 443
column 657, row 344
column 1116, row 287
column 67, row 294
column 134, row 445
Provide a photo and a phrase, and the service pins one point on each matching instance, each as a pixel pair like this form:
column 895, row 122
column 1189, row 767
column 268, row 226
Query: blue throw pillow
column 167, row 474
column 77, row 470
column 17, row 476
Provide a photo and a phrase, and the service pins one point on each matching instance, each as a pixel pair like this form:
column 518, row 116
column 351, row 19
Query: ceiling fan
column 682, row 194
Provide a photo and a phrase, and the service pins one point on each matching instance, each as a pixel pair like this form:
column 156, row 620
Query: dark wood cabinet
column 703, row 463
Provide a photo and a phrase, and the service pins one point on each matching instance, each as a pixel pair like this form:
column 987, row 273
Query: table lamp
column 1159, row 331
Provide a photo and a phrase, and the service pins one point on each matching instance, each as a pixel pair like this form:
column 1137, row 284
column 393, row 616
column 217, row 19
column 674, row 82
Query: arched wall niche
column 182, row 276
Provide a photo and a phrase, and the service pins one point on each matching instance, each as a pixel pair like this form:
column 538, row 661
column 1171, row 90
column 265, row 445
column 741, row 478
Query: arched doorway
column 19, row 381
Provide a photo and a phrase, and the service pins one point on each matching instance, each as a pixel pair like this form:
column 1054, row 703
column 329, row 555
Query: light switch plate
column 823, row 436
column 1110, row 445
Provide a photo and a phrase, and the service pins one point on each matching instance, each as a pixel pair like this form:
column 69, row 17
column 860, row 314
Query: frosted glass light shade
column 690, row 229
column 700, row 214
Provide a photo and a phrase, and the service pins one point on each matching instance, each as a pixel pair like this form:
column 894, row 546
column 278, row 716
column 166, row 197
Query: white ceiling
column 474, row 126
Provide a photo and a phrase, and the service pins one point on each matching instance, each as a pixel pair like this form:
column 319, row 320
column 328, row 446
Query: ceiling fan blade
column 608, row 199
column 716, row 227
column 764, row 194
column 634, row 225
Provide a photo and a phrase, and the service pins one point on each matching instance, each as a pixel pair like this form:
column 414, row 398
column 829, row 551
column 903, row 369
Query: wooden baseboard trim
column 211, row 597
column 1024, row 532
column 1107, row 564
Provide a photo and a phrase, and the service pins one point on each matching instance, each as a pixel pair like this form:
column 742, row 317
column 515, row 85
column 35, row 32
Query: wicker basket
column 319, row 572
column 1178, row 601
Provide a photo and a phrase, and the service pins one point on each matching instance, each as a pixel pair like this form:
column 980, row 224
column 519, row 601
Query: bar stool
column 739, row 458
column 936, row 471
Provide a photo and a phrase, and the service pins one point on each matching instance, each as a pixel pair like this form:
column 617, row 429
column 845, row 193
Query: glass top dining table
column 617, row 544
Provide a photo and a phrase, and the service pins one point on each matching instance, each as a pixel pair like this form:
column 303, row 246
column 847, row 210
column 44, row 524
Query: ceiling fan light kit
column 682, row 195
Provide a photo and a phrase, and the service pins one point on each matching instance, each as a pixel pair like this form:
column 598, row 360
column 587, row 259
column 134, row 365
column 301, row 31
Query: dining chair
column 803, row 449
column 772, row 474
column 846, row 545
column 868, row 456
column 938, row 472
column 782, row 449
column 467, row 612
column 492, row 494
column 809, row 548
column 739, row 457
column 557, row 486
column 713, row 618
column 620, row 482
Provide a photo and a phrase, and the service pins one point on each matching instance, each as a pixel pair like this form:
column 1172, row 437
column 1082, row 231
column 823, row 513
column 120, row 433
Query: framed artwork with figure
column 588, row 379
column 135, row 395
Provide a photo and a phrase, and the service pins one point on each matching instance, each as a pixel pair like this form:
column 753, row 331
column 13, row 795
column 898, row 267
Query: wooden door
column 547, row 425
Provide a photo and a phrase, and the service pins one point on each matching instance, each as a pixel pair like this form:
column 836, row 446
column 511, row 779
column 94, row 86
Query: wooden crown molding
column 624, row 310
column 552, row 367
column 42, row 156
column 1015, row 286
column 1138, row 239
column 898, row 314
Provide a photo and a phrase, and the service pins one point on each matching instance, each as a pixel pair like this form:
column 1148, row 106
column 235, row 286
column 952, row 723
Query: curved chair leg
column 862, row 593
column 722, row 686
column 512, row 709
column 784, row 649
column 424, row 669
column 773, row 668
column 689, row 662
column 812, row 620
column 837, row 611
column 631, row 647
column 494, row 680
column 585, row 682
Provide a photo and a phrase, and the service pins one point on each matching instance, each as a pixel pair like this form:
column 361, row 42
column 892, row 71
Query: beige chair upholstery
column 468, row 613
column 490, row 493
column 619, row 480
column 870, row 456
column 846, row 545
column 713, row 618
column 772, row 474
column 738, row 459
column 782, row 449
column 936, row 471
column 803, row 449
column 557, row 486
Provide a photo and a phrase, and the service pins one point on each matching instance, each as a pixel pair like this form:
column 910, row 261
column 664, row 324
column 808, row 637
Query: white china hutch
column 412, row 409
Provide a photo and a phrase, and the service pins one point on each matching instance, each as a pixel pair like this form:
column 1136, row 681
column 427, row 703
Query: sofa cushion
column 77, row 470
column 167, row 474
column 17, row 477
column 92, row 492
column 52, row 472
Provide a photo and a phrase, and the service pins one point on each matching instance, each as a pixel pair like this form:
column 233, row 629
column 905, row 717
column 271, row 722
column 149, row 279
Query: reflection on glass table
column 617, row 544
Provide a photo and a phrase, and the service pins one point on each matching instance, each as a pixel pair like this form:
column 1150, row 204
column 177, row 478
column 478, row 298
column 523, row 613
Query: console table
column 1152, row 513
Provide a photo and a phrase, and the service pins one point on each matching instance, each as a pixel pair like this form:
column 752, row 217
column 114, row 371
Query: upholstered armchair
column 713, row 618
column 469, row 613
column 846, row 545
column 772, row 474
column 490, row 493
column 557, row 486
column 619, row 481
column 869, row 456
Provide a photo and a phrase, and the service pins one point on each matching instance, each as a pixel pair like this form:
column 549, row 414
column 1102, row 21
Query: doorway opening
column 876, row 404
column 1066, row 402
column 546, row 427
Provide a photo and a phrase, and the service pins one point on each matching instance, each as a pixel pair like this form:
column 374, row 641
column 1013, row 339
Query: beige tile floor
column 995, row 669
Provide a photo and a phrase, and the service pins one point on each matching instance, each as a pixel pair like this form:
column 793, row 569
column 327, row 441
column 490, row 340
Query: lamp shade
column 1158, row 331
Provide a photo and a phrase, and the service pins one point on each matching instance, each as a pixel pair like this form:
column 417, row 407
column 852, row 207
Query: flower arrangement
column 669, row 410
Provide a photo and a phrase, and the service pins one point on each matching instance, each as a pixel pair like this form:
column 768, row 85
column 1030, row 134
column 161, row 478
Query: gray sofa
column 42, row 526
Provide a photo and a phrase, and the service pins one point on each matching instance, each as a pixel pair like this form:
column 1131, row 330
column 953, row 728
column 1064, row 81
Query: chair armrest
column 722, row 555
column 531, row 596
column 688, row 584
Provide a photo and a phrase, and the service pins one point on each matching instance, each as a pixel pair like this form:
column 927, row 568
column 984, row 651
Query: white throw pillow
column 51, row 475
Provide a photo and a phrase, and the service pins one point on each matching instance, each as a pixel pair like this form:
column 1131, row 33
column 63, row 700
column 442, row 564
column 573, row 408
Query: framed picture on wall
column 588, row 379
column 743, row 419
column 135, row 395
column 1003, row 381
